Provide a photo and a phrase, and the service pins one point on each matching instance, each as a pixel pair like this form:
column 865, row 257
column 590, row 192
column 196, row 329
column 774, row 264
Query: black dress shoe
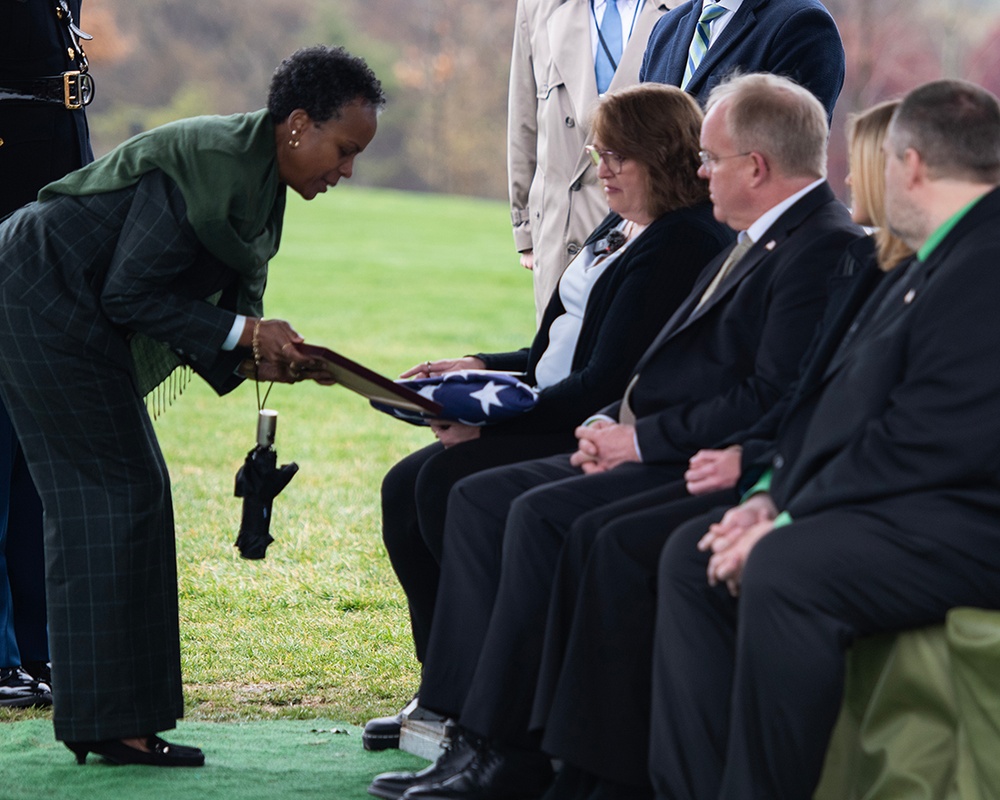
column 458, row 752
column 493, row 775
column 41, row 671
column 382, row 733
column 161, row 753
column 19, row 690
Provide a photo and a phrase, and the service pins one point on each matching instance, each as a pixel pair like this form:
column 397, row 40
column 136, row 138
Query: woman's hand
column 452, row 433
column 273, row 342
column 429, row 368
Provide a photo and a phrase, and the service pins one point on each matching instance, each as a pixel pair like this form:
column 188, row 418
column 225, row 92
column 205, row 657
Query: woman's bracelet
column 255, row 341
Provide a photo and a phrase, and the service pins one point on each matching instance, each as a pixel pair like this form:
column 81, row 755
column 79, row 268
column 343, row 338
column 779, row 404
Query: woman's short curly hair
column 321, row 80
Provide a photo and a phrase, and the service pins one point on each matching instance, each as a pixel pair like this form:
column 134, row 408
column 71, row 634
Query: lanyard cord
column 256, row 385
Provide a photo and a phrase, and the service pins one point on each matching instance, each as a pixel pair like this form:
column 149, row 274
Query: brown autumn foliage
column 444, row 66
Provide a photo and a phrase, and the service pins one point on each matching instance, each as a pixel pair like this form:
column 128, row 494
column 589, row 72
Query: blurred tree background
column 444, row 66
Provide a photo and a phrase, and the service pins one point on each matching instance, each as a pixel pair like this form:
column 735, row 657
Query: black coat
column 904, row 418
column 718, row 369
column 857, row 276
column 41, row 141
column 627, row 308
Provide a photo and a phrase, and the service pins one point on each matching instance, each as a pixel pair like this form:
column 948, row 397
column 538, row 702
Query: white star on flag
column 428, row 391
column 487, row 396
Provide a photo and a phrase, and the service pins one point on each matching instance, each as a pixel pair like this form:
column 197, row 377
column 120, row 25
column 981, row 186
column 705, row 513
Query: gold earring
column 293, row 143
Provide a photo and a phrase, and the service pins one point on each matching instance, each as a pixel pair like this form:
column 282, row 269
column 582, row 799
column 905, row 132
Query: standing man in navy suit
column 794, row 38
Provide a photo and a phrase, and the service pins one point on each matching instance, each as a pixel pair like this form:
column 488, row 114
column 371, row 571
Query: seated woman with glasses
column 629, row 277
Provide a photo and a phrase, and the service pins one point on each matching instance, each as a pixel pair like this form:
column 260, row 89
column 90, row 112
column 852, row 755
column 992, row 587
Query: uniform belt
column 71, row 90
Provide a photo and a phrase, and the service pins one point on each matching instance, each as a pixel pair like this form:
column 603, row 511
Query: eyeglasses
column 612, row 160
column 708, row 159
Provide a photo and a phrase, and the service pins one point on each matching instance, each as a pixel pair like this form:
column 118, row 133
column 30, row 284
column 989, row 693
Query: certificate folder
column 360, row 379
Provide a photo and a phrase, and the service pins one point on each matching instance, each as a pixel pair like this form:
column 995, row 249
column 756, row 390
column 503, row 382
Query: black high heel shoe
column 161, row 753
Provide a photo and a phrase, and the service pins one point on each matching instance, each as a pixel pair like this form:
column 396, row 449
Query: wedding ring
column 286, row 344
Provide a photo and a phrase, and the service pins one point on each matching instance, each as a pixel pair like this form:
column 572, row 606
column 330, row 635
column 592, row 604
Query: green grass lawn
column 320, row 627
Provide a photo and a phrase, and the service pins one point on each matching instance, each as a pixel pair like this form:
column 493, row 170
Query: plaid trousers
column 66, row 379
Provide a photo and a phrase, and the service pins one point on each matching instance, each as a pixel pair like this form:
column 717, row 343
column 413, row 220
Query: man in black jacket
column 880, row 509
column 722, row 360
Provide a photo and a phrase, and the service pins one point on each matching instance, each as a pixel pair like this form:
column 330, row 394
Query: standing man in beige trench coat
column 555, row 198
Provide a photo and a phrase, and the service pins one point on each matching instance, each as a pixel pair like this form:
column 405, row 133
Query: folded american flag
column 472, row 397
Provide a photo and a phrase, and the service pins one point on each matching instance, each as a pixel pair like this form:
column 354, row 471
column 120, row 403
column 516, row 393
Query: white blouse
column 574, row 289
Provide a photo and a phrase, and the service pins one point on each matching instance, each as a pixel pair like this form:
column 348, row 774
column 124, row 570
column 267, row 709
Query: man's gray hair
column 955, row 127
column 776, row 117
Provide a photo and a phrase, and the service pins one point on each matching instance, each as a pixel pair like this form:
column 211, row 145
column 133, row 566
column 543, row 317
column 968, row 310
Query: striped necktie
column 609, row 49
column 702, row 36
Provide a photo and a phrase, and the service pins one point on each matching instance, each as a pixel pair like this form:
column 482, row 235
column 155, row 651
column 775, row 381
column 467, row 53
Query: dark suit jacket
column 795, row 38
column 716, row 370
column 627, row 307
column 136, row 266
column 41, row 141
column 856, row 277
column 904, row 420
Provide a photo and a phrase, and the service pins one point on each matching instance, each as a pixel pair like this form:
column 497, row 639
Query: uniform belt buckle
column 78, row 89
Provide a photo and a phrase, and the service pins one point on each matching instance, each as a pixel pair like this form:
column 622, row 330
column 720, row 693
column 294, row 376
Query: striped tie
column 699, row 44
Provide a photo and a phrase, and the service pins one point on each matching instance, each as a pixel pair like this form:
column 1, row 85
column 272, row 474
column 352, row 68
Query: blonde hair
column 866, row 133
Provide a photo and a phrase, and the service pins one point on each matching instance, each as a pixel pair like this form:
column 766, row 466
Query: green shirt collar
column 943, row 230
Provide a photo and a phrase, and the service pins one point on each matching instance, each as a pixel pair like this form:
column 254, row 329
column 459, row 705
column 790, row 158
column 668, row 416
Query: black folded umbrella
column 258, row 482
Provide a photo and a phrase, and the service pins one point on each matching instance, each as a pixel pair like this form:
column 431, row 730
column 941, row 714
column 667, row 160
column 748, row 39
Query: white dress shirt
column 556, row 362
